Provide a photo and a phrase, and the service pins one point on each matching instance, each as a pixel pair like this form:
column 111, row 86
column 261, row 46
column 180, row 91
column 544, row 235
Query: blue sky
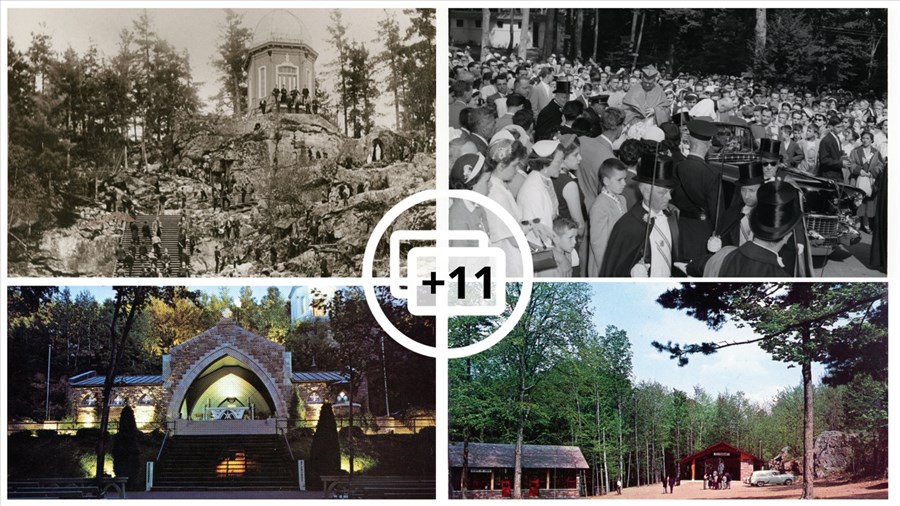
column 632, row 307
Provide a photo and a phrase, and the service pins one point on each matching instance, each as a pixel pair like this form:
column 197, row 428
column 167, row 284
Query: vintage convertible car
column 829, row 206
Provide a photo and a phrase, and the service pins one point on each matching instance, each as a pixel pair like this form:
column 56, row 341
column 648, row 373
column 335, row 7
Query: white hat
column 653, row 133
column 545, row 149
column 705, row 108
column 502, row 135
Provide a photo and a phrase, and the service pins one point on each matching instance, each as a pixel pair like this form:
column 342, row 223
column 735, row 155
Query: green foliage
column 126, row 454
column 325, row 451
column 795, row 322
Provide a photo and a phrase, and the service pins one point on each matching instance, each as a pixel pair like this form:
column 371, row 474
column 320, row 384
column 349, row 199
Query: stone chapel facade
column 224, row 373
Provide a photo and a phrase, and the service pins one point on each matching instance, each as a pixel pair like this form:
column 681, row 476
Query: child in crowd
column 607, row 208
column 566, row 232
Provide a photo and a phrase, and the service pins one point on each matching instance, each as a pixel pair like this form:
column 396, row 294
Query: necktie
column 661, row 245
column 746, row 233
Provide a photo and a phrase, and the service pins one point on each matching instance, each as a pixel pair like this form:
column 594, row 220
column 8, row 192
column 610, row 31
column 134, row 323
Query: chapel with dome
column 280, row 56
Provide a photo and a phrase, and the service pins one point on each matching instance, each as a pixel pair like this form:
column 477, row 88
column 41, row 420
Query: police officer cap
column 700, row 129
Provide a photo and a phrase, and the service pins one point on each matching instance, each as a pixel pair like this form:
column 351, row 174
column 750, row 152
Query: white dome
column 280, row 25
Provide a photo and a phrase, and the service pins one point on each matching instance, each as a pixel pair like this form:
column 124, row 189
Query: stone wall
column 326, row 393
column 478, row 494
column 147, row 416
column 559, row 493
column 263, row 357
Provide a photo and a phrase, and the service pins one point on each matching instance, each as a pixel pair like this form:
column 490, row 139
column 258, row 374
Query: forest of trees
column 77, row 328
column 557, row 380
column 79, row 119
column 837, row 48
column 405, row 68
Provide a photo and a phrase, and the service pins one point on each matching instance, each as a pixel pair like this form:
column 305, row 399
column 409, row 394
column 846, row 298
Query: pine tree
column 325, row 450
column 338, row 31
column 233, row 41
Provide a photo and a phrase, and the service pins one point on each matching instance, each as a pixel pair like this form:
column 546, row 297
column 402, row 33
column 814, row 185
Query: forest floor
column 824, row 489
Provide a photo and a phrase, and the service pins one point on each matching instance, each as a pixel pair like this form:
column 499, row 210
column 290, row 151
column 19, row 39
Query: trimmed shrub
column 126, row 455
column 325, row 451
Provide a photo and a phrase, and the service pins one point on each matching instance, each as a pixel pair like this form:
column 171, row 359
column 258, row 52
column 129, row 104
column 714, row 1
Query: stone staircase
column 169, row 240
column 248, row 462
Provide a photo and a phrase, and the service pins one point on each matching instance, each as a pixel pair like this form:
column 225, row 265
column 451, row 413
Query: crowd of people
column 295, row 101
column 608, row 173
column 716, row 480
column 141, row 251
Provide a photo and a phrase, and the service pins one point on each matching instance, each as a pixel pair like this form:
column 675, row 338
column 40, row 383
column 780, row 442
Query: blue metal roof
column 308, row 377
column 97, row 381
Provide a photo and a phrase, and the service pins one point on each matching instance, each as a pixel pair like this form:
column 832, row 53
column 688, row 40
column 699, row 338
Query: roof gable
column 720, row 446
column 533, row 456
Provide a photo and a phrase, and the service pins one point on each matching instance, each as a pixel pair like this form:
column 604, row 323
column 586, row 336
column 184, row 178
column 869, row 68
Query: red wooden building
column 720, row 457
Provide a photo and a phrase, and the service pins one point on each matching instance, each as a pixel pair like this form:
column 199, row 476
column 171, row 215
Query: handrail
column 163, row 445
column 284, row 435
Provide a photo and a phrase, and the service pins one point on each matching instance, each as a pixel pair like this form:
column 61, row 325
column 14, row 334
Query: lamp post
column 47, row 399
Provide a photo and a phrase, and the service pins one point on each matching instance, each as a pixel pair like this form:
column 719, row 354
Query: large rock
column 833, row 453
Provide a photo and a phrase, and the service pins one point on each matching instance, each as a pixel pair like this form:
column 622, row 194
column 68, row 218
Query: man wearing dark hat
column 698, row 194
column 644, row 242
column 551, row 117
column 772, row 223
column 735, row 229
column 770, row 157
column 598, row 101
column 647, row 100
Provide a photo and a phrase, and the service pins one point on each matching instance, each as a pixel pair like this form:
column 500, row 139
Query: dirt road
column 876, row 489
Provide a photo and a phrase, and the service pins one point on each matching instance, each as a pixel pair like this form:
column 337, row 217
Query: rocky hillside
column 315, row 199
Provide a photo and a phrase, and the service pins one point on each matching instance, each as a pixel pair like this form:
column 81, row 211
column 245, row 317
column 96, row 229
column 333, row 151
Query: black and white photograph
column 674, row 142
column 186, row 142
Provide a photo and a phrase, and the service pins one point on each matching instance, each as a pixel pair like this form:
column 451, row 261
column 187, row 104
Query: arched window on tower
column 288, row 76
column 88, row 400
column 118, row 401
column 342, row 397
column 314, row 398
column 145, row 400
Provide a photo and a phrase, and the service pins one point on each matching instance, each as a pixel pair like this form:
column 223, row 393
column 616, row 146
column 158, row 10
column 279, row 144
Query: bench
column 378, row 487
column 66, row 488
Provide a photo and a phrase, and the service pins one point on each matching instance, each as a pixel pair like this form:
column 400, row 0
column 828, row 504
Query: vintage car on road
column 829, row 206
column 763, row 478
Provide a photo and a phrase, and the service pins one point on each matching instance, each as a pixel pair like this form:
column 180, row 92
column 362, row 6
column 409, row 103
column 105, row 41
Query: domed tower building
column 280, row 56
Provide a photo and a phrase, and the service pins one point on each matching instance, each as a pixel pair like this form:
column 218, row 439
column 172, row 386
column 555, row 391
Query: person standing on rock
column 217, row 254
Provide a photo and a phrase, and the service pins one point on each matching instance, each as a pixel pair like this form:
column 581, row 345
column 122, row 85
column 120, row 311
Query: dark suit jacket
column 697, row 191
column 479, row 143
column 748, row 261
column 830, row 157
column 626, row 243
column 791, row 154
column 548, row 121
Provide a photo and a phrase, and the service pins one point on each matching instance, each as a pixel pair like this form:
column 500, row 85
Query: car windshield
column 732, row 138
